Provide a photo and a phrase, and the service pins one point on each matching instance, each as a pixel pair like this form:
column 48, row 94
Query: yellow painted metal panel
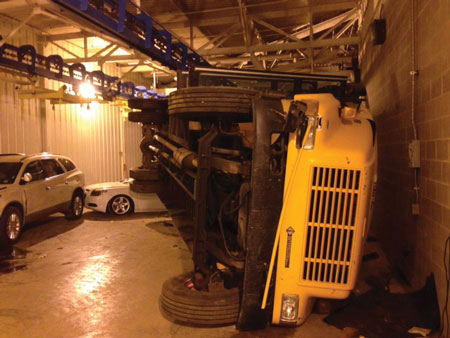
column 324, row 219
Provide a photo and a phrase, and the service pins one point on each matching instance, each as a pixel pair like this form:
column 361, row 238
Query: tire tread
column 198, row 308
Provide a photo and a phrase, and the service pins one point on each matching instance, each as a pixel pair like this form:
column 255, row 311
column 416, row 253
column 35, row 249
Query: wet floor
column 101, row 277
column 12, row 259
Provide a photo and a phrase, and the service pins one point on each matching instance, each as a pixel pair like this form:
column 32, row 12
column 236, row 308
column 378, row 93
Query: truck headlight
column 348, row 113
column 289, row 308
column 98, row 192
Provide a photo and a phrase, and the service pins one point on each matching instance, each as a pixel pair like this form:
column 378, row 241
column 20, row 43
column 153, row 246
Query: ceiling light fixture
column 87, row 90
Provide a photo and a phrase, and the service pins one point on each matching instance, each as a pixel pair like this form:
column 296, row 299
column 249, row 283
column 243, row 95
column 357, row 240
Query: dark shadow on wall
column 392, row 221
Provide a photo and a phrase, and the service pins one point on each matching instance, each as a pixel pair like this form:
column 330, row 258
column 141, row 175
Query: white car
column 118, row 199
column 33, row 186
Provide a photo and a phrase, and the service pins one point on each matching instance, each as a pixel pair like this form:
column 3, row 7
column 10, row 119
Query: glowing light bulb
column 87, row 91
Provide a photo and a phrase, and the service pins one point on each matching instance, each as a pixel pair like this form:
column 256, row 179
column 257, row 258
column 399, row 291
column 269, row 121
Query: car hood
column 108, row 185
column 4, row 186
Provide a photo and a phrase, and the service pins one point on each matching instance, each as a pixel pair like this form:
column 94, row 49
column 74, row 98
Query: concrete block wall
column 415, row 244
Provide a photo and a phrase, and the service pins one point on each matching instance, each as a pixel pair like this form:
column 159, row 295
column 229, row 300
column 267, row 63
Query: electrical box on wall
column 414, row 154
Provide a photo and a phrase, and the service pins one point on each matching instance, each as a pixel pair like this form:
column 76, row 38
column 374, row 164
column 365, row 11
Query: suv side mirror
column 26, row 178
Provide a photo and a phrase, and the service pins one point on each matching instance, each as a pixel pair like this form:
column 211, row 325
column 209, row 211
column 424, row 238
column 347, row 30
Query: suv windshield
column 8, row 172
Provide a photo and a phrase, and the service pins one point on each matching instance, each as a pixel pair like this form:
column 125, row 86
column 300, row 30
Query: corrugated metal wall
column 102, row 143
column 20, row 129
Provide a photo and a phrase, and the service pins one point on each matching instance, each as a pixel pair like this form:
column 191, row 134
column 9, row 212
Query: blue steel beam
column 136, row 30
column 25, row 59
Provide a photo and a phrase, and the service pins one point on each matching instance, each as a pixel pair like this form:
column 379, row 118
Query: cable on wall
column 445, row 318
column 413, row 74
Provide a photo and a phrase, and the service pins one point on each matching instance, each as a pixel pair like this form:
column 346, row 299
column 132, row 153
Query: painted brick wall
column 414, row 243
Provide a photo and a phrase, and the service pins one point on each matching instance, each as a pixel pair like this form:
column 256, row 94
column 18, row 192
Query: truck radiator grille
column 331, row 224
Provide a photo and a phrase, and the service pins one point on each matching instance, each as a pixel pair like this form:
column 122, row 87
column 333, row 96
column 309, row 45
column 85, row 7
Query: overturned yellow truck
column 277, row 175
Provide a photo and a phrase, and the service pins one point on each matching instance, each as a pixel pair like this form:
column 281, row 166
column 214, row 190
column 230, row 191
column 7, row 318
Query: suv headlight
column 98, row 192
column 289, row 308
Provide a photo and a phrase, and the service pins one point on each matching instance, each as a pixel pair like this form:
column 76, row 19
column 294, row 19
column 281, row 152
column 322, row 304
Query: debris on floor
column 381, row 314
column 419, row 330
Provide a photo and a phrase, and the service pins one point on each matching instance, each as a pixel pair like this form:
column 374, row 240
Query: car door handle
column 66, row 182
column 48, row 188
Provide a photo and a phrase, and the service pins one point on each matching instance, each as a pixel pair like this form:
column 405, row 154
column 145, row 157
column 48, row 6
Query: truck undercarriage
column 226, row 149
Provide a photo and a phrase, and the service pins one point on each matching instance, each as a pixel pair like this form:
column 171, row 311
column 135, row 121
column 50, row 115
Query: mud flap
column 266, row 196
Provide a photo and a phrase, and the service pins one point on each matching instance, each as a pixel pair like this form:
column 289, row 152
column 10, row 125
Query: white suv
column 34, row 186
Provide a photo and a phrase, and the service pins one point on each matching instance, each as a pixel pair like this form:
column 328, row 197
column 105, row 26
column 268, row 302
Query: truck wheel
column 145, row 187
column 198, row 308
column 142, row 174
column 11, row 224
column 212, row 102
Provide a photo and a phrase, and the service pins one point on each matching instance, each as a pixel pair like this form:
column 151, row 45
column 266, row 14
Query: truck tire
column 198, row 308
column 142, row 174
column 212, row 102
column 144, row 104
column 144, row 187
column 157, row 116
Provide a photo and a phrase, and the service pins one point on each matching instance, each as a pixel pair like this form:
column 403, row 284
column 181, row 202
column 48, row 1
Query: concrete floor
column 101, row 277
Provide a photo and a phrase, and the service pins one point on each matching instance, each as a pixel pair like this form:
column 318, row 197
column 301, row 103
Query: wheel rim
column 121, row 205
column 77, row 205
column 13, row 226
